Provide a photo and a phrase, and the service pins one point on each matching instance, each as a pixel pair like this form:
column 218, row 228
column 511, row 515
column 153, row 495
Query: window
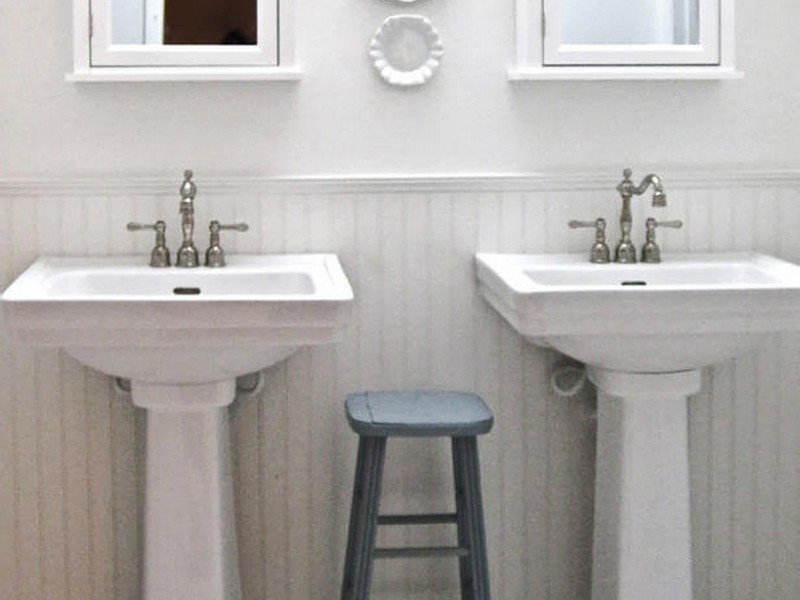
column 182, row 39
column 624, row 39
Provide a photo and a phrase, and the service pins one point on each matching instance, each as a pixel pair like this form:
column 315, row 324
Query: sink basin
column 179, row 326
column 182, row 336
column 690, row 311
column 644, row 331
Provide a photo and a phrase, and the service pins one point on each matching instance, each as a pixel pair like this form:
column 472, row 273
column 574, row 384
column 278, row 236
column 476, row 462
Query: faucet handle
column 651, row 253
column 651, row 224
column 215, row 255
column 159, row 257
column 600, row 253
column 232, row 227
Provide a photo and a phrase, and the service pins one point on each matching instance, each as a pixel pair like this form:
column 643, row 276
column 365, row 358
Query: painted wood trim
column 611, row 73
column 281, row 14
column 706, row 52
column 131, row 74
column 530, row 29
column 232, row 183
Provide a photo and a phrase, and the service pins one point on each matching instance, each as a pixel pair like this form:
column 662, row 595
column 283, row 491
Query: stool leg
column 473, row 568
column 363, row 518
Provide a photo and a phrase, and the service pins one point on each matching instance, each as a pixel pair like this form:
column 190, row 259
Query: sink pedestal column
column 190, row 537
column 642, row 546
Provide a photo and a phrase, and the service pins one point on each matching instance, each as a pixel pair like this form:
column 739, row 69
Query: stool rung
column 422, row 552
column 428, row 519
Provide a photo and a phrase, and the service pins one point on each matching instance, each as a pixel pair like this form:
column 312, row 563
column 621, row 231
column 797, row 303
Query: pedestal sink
column 182, row 336
column 644, row 332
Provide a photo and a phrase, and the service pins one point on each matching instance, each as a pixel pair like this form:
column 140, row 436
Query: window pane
column 184, row 22
column 629, row 21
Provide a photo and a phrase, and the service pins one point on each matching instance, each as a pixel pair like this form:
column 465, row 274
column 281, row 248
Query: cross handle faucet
column 159, row 256
column 215, row 255
column 599, row 253
column 651, row 253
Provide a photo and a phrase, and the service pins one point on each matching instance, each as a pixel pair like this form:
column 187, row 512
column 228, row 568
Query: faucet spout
column 187, row 253
column 626, row 187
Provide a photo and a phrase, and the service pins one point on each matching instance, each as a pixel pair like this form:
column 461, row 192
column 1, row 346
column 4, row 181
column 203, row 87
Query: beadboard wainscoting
column 71, row 449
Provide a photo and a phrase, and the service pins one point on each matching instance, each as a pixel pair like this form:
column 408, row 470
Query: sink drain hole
column 634, row 283
column 186, row 291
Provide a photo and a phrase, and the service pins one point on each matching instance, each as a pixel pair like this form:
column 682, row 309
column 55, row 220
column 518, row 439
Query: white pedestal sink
column 182, row 336
column 644, row 332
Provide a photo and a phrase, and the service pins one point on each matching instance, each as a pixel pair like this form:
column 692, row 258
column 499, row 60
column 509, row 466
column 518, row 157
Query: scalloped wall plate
column 406, row 50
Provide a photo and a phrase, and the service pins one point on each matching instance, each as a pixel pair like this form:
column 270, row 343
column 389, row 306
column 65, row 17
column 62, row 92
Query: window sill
column 599, row 73
column 117, row 74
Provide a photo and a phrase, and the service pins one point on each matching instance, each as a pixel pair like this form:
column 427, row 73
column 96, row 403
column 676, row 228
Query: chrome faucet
column 651, row 253
column 215, row 255
column 599, row 254
column 625, row 251
column 159, row 256
column 188, row 256
column 187, row 253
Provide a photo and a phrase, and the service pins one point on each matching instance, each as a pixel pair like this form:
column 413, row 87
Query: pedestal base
column 190, row 536
column 642, row 546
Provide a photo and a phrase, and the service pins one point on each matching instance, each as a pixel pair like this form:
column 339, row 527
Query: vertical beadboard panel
column 71, row 450
column 699, row 476
column 786, row 443
column 98, row 410
column 508, row 406
column 27, row 450
column 8, row 434
column 29, row 534
column 245, row 439
column 51, row 488
column 767, row 457
column 275, row 505
column 488, row 341
column 127, row 460
column 787, row 449
column 8, row 480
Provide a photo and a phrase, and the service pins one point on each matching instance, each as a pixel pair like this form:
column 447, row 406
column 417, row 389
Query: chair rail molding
column 233, row 182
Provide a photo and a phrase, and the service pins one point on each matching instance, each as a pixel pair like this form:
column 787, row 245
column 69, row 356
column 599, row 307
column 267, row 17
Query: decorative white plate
column 406, row 50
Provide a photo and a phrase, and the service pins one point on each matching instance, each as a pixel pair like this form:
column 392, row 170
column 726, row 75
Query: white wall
column 341, row 118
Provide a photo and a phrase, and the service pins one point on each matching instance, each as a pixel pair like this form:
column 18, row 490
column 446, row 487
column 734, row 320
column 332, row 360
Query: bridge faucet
column 625, row 251
column 187, row 253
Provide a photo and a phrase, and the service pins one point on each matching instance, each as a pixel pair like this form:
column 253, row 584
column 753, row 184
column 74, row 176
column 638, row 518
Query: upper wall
column 342, row 119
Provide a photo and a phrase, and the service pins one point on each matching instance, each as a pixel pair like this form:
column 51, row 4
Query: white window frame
column 541, row 54
column 105, row 53
column 96, row 58
column 153, row 21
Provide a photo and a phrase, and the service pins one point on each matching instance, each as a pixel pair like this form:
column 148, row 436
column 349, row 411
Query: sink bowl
column 182, row 336
column 644, row 331
column 689, row 311
column 179, row 326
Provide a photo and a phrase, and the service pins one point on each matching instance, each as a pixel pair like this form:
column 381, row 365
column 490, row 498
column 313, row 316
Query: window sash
column 105, row 53
column 705, row 52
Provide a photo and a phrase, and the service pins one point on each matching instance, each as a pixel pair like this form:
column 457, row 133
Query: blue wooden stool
column 376, row 416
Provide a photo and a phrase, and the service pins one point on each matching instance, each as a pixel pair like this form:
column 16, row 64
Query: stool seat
column 378, row 416
column 418, row 414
